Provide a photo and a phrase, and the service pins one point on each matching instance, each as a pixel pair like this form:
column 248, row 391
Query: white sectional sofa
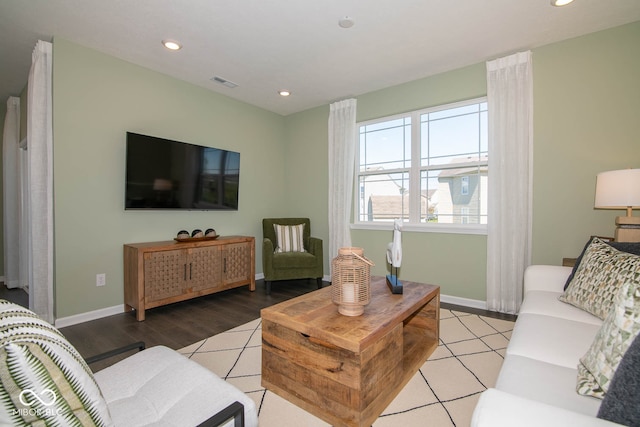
column 537, row 382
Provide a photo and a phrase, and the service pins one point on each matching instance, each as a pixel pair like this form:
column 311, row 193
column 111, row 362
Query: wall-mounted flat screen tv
column 165, row 174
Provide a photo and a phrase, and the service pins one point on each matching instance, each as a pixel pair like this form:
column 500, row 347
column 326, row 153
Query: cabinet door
column 165, row 273
column 204, row 268
column 237, row 262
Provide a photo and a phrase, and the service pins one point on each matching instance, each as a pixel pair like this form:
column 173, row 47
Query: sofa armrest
column 545, row 278
column 500, row 409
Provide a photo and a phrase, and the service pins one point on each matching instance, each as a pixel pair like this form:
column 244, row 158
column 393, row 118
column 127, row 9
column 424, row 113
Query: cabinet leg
column 319, row 279
column 268, row 285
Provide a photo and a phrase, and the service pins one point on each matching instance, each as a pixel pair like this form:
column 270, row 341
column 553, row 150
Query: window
column 428, row 167
column 464, row 185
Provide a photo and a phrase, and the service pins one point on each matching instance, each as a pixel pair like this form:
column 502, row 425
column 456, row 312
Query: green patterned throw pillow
column 289, row 238
column 597, row 366
column 43, row 379
column 599, row 276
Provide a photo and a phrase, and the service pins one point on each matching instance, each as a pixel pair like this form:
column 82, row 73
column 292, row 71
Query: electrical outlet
column 101, row 279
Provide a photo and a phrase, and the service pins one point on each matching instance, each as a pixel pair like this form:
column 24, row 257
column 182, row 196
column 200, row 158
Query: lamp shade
column 618, row 189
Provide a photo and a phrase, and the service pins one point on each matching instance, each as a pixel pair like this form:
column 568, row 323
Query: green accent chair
column 290, row 265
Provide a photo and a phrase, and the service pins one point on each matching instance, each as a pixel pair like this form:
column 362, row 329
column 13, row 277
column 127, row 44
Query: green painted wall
column 587, row 100
column 586, row 121
column 97, row 98
column 307, row 171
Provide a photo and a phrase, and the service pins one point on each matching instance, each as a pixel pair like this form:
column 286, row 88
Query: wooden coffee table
column 346, row 370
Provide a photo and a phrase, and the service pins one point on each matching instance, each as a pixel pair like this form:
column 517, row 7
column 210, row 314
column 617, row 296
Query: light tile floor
column 444, row 391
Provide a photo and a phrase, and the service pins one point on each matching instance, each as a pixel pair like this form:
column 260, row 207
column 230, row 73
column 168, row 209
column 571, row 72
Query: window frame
column 414, row 171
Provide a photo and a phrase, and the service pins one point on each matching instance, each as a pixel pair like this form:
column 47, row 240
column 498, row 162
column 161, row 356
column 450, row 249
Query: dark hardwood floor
column 17, row 296
column 184, row 323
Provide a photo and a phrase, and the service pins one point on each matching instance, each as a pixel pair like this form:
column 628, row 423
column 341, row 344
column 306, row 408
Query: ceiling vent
column 224, row 82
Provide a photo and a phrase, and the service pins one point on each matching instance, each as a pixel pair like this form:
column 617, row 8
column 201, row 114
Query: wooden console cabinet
column 159, row 273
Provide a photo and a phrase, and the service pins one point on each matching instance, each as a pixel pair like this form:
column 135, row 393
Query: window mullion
column 414, row 173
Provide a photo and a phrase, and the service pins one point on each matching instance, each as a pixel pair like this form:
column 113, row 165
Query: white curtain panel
column 11, row 192
column 342, row 158
column 510, row 99
column 40, row 166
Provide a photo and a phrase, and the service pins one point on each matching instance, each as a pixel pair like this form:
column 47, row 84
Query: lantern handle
column 363, row 259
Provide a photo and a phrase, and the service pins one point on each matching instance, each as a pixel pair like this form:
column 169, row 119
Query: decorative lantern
column 351, row 281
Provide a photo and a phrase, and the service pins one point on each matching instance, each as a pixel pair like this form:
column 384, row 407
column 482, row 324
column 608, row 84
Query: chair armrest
column 234, row 411
column 136, row 345
column 267, row 258
column 315, row 246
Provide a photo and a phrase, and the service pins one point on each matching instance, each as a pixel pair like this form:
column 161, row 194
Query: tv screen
column 165, row 174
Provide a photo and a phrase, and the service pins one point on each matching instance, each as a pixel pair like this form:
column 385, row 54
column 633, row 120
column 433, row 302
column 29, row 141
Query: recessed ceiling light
column 346, row 22
column 559, row 3
column 171, row 44
column 284, row 92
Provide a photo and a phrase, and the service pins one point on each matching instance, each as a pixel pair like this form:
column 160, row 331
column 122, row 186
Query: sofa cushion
column 629, row 247
column 601, row 273
column 546, row 303
column 289, row 238
column 136, row 391
column 294, row 260
column 496, row 408
column 620, row 404
column 597, row 367
column 43, row 378
column 544, row 382
column 551, row 339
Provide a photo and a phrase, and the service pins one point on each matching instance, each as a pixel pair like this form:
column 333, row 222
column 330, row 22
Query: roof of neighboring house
column 447, row 173
column 391, row 206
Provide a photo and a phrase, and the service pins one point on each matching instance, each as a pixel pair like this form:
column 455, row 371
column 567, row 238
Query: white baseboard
column 117, row 309
column 465, row 302
column 90, row 315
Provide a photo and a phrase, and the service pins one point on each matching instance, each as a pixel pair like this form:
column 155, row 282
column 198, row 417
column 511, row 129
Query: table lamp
column 620, row 189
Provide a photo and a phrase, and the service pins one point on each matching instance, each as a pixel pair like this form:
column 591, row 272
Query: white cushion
column 551, row 339
column 544, row 382
column 289, row 238
column 499, row 409
column 547, row 303
column 159, row 386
